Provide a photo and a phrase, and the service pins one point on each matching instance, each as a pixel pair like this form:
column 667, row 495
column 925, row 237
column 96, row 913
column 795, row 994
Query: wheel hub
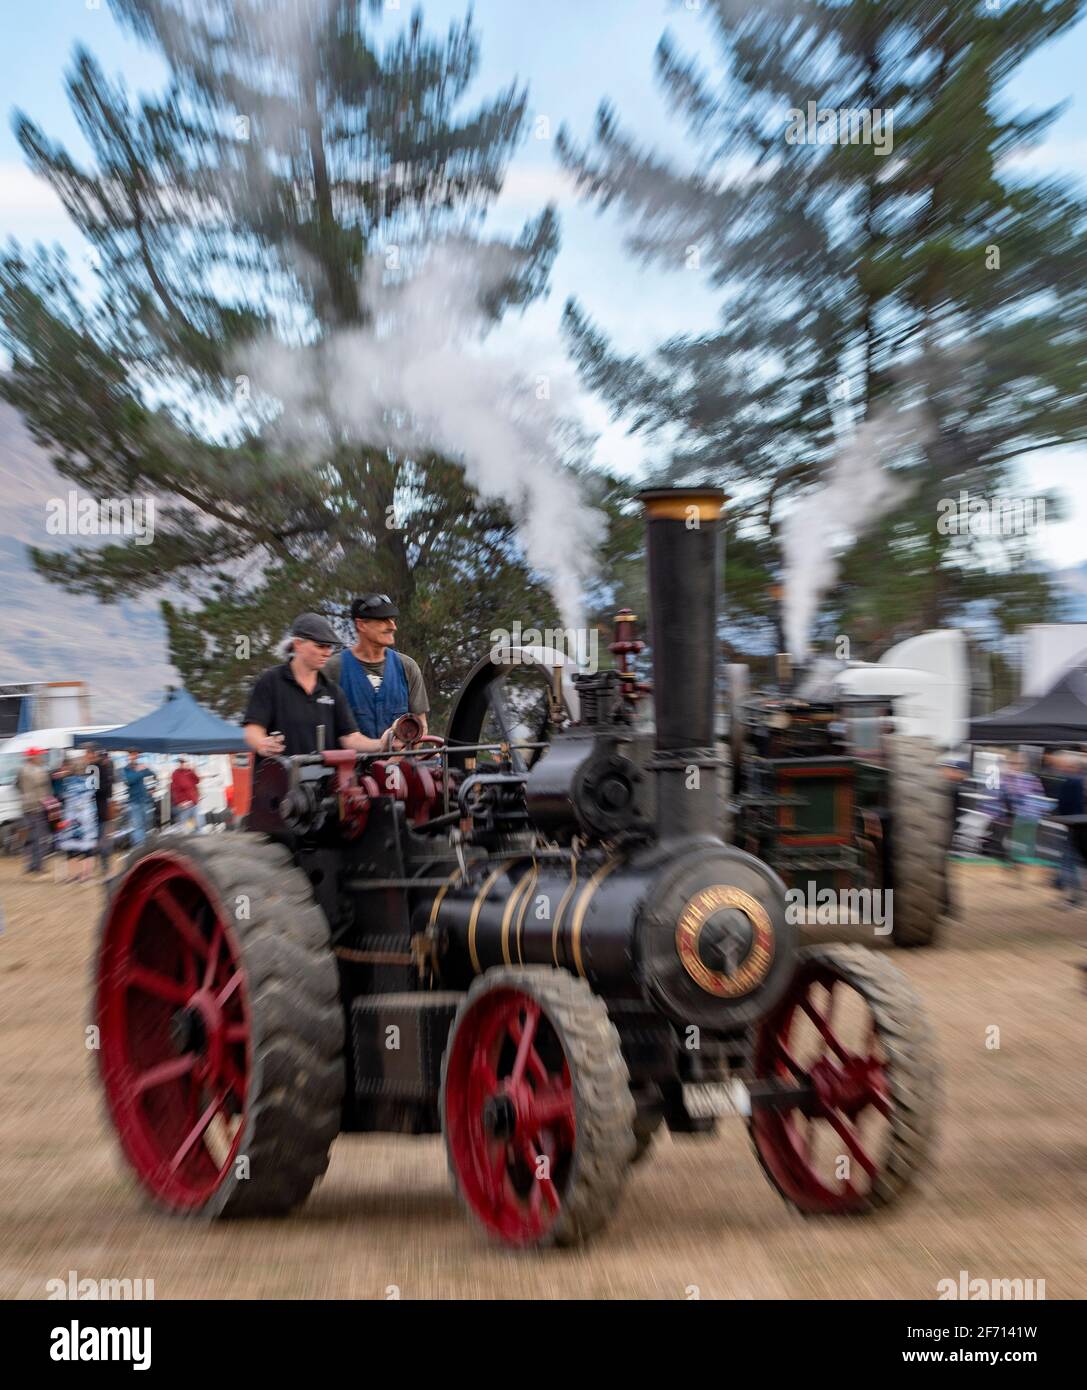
column 846, row 1087
column 499, row 1116
column 187, row 1031
column 198, row 1028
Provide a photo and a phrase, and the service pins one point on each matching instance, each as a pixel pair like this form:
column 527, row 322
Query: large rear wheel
column 221, row 1033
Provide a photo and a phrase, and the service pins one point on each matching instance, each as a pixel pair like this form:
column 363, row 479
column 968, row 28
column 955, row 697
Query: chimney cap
column 672, row 503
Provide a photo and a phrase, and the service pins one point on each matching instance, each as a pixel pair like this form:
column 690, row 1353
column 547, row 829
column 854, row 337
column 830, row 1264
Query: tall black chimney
column 682, row 526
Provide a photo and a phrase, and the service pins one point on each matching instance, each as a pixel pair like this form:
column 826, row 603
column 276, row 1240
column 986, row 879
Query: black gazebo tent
column 1058, row 716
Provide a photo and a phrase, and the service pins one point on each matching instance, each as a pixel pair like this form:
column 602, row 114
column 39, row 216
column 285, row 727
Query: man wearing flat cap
column 380, row 683
column 294, row 708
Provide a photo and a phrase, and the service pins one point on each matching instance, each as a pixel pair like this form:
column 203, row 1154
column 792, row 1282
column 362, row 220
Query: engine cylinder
column 703, row 936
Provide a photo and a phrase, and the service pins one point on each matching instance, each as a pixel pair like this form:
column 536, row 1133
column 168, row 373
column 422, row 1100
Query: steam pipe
column 683, row 526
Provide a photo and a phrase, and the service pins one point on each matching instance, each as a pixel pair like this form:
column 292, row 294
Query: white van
column 58, row 743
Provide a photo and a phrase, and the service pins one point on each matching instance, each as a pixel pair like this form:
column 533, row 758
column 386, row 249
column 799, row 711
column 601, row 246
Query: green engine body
column 812, row 790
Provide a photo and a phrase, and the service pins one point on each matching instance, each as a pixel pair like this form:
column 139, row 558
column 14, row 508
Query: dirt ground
column 1007, row 1197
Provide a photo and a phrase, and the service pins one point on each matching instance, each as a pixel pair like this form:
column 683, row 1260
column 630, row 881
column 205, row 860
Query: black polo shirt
column 278, row 703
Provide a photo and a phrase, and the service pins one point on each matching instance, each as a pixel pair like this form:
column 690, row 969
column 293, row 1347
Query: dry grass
column 1006, row 1200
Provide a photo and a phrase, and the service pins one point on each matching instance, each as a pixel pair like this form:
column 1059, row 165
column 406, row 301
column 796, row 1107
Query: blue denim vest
column 374, row 709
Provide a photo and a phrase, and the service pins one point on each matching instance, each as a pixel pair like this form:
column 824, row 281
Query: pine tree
column 935, row 275
column 242, row 207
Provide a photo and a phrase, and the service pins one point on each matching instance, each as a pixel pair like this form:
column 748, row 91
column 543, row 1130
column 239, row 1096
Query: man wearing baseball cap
column 380, row 683
column 294, row 708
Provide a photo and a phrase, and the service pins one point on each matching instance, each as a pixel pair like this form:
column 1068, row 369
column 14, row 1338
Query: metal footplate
column 716, row 1100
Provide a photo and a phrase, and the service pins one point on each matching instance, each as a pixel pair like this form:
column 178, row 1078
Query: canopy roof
column 179, row 726
column 1058, row 716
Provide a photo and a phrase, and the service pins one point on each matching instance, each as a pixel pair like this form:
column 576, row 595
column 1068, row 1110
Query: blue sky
column 571, row 53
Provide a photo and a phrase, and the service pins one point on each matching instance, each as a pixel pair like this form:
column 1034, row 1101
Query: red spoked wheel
column 207, row 1076
column 852, row 1054
column 174, row 1012
column 536, row 1107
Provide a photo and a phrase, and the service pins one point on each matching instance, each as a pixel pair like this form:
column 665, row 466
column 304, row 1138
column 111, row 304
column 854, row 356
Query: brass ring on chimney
column 677, row 504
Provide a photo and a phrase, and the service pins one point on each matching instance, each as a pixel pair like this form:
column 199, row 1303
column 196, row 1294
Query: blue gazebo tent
column 179, row 726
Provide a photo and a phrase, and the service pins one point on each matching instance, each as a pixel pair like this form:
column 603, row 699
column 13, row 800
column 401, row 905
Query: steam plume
column 422, row 376
column 857, row 492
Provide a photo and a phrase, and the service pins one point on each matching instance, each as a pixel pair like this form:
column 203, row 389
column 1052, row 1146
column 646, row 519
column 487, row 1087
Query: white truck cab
column 928, row 678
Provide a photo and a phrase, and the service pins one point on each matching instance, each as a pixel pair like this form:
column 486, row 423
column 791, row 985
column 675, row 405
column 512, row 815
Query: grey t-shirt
column 418, row 703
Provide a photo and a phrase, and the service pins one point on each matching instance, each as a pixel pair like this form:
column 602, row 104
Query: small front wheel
column 536, row 1107
column 851, row 1043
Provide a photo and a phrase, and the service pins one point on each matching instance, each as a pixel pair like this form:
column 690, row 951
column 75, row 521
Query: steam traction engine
column 538, row 947
column 829, row 796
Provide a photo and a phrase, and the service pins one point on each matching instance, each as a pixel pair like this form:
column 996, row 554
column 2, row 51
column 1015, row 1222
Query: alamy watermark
column 93, row 1343
column 101, row 516
column 980, row 1289
column 827, row 125
column 95, row 1290
column 868, row 907
column 971, row 515
column 578, row 646
column 73, row 1342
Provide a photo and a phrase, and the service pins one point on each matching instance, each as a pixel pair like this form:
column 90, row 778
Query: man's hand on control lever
column 361, row 744
column 407, row 730
column 260, row 741
column 400, row 734
column 390, row 739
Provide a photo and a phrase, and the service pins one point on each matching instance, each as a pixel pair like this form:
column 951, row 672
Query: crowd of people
column 1017, row 799
column 71, row 810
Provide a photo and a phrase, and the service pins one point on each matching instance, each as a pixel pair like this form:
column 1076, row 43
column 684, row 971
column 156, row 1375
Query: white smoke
column 423, row 376
column 858, row 490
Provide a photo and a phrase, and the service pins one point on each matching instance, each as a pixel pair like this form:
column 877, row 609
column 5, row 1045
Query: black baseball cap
column 316, row 628
column 374, row 606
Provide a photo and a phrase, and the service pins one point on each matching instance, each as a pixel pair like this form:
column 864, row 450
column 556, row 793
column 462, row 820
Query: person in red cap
column 35, row 787
column 185, row 796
